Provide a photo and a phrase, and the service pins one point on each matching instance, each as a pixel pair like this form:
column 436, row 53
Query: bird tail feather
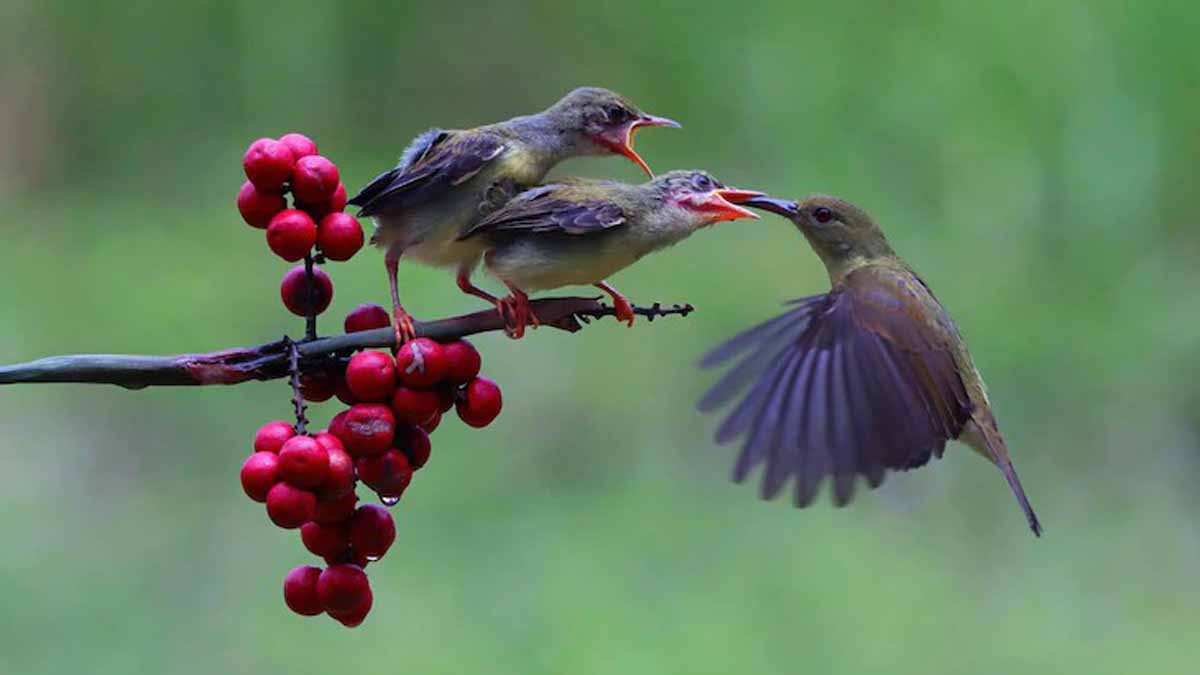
column 997, row 451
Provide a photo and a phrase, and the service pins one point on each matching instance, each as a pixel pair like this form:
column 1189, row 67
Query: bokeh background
column 1035, row 161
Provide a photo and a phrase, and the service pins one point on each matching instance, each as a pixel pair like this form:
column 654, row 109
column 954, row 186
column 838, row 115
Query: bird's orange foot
column 624, row 309
column 518, row 314
column 402, row 323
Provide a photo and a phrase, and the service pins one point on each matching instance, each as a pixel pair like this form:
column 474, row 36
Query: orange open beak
column 619, row 139
column 722, row 204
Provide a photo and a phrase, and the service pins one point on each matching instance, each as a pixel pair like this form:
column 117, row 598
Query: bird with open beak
column 871, row 376
column 448, row 179
column 581, row 232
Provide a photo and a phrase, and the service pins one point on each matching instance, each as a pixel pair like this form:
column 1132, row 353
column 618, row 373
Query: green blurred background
column 1035, row 161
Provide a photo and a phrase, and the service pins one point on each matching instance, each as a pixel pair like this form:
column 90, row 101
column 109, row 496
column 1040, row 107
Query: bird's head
column 838, row 230
column 603, row 122
column 702, row 198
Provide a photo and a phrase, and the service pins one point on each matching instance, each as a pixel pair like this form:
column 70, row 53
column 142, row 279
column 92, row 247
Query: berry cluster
column 382, row 438
column 291, row 164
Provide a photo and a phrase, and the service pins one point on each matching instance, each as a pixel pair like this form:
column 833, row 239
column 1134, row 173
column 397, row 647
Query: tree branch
column 270, row 361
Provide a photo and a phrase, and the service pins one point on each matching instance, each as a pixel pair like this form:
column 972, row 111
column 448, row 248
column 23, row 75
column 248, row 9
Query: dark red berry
column 314, row 179
column 343, row 392
column 415, row 406
column 366, row 317
column 354, row 617
column 303, row 462
column 258, row 207
column 433, row 422
column 325, row 541
column 387, row 474
column 268, row 164
column 481, row 402
column 421, row 363
column 447, row 394
column 290, row 507
column 300, row 590
column 343, row 588
column 341, row 467
column 260, row 472
column 339, row 236
column 337, row 425
column 462, row 361
column 318, row 386
column 338, row 201
column 368, row 429
column 414, row 442
column 291, row 234
column 299, row 144
column 371, row 376
column 271, row 436
column 335, row 509
column 294, row 291
column 372, row 531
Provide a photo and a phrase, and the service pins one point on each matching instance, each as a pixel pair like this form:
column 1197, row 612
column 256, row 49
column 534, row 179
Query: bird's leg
column 465, row 285
column 402, row 321
column 522, row 313
column 620, row 304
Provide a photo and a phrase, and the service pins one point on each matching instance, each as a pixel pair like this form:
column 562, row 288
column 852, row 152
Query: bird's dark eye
column 616, row 114
column 822, row 215
column 702, row 183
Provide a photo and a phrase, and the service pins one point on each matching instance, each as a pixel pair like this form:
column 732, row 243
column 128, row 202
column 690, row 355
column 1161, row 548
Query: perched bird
column 871, row 376
column 447, row 179
column 582, row 231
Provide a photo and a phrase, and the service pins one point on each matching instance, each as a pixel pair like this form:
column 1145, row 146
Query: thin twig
column 297, row 394
column 270, row 361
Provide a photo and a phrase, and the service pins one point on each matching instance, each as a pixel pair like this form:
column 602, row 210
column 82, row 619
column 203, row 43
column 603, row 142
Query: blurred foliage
column 1035, row 161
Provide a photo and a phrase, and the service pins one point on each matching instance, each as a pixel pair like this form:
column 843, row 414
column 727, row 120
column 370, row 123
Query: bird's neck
column 544, row 141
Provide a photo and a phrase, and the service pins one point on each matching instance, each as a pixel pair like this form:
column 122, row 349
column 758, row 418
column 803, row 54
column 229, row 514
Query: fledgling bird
column 447, row 179
column 580, row 231
column 871, row 376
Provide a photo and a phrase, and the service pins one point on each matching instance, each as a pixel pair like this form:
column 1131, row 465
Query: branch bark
column 270, row 361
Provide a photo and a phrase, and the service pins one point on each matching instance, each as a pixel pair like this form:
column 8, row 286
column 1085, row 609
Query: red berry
column 303, row 462
column 433, row 422
column 447, row 394
column 372, row 531
column 259, row 474
column 371, row 376
column 414, row 443
column 318, row 386
column 421, row 363
column 368, row 429
column 290, row 507
column 314, row 180
column 300, row 590
column 294, row 290
column 291, row 234
column 343, row 392
column 325, row 541
column 337, row 426
column 338, row 201
column 366, row 317
column 354, row 617
column 340, row 236
column 335, row 204
column 481, row 402
column 343, row 588
column 334, row 510
column 463, row 361
column 387, row 474
column 271, row 436
column 299, row 144
column 341, row 467
column 415, row 406
column 258, row 207
column 268, row 164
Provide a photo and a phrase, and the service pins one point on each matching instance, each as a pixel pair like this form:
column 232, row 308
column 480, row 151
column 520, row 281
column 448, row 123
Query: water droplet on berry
column 388, row 501
column 374, row 558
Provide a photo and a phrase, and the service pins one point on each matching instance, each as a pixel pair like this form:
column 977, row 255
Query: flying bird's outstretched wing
column 844, row 385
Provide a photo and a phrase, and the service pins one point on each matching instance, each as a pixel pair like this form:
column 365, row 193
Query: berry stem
column 297, row 395
column 310, row 320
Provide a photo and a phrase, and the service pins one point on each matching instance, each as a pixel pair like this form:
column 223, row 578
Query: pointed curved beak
column 722, row 204
column 780, row 207
column 619, row 139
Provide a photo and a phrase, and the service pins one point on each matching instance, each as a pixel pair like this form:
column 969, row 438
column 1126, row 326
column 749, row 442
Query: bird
column 872, row 376
column 447, row 179
column 580, row 232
